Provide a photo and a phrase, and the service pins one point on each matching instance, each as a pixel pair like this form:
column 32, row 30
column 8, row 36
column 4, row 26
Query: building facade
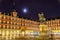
column 14, row 27
column 54, row 26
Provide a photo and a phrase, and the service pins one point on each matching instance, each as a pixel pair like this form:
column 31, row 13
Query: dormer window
column 14, row 13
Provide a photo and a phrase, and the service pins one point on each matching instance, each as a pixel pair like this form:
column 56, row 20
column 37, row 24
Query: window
column 14, row 27
column 4, row 17
column 15, row 23
column 18, row 20
column 11, row 18
column 22, row 24
column 1, row 26
column 11, row 23
column 11, row 27
column 7, row 26
column 17, row 27
column 7, row 22
column 7, row 18
column 27, row 25
column 0, row 21
column 0, row 17
column 4, row 26
column 14, row 18
column 4, row 22
column 19, row 24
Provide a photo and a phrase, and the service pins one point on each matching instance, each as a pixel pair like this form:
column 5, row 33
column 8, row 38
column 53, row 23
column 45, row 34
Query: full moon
column 25, row 10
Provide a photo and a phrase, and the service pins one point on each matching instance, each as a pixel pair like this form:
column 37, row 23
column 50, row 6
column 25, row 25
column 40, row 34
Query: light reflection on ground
column 22, row 38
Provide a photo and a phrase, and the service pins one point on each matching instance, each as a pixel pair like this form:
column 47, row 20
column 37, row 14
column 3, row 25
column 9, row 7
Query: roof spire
column 14, row 6
column 14, row 13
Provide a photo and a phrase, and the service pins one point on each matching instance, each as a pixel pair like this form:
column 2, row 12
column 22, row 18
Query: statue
column 43, row 27
column 41, row 17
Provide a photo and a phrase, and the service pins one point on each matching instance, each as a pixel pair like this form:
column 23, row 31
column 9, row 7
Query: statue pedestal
column 43, row 31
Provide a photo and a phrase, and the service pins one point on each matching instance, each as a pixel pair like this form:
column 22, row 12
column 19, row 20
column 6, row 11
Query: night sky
column 51, row 8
